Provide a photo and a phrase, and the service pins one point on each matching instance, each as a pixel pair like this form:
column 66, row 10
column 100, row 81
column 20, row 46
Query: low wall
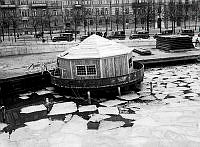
column 33, row 49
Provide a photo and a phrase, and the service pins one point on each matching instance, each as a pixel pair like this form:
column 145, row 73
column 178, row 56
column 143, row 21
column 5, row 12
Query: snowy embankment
column 37, row 48
column 169, row 118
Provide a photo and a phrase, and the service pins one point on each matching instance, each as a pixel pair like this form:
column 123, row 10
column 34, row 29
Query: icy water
column 168, row 118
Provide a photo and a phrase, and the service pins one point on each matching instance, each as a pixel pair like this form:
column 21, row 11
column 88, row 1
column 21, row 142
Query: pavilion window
column 91, row 70
column 81, row 70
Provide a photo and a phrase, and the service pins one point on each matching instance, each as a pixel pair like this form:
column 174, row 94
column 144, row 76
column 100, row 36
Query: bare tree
column 35, row 23
column 6, row 22
column 14, row 18
column 196, row 9
column 172, row 14
column 1, row 25
column 135, row 7
column 48, row 21
column 77, row 16
column 186, row 12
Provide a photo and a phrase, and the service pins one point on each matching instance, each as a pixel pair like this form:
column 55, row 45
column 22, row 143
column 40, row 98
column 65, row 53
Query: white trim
column 72, row 76
column 101, row 68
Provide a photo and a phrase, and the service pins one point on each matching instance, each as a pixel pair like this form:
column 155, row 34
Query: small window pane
column 91, row 70
column 81, row 70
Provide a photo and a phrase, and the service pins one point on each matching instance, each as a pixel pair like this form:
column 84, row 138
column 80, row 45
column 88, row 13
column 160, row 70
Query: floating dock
column 159, row 56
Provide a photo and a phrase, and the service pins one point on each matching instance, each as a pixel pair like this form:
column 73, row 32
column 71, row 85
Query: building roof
column 95, row 47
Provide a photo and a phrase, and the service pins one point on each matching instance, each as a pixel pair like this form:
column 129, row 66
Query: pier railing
column 134, row 77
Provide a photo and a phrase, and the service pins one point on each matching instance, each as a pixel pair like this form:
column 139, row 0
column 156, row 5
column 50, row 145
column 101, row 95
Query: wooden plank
column 64, row 64
column 108, row 69
column 121, row 65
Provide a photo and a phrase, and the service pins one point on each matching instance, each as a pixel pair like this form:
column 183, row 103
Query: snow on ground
column 172, row 119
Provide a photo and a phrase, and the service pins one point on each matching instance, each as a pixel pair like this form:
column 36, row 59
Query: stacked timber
column 174, row 42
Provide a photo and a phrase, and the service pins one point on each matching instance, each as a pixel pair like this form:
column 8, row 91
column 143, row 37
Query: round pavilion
column 97, row 63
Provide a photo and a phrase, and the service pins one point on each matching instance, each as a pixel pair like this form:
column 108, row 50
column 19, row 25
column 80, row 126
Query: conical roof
column 95, row 47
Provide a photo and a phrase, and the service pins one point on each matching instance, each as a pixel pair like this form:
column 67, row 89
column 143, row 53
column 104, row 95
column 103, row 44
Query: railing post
column 119, row 91
column 2, row 108
column 151, row 87
column 89, row 98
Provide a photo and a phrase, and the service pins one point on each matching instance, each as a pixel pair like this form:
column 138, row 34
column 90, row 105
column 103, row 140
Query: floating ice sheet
column 2, row 125
column 146, row 121
column 87, row 108
column 129, row 116
column 39, row 124
column 191, row 95
column 149, row 97
column 58, row 96
column 109, row 125
column 50, row 88
column 63, row 108
column 160, row 96
column 98, row 117
column 130, row 96
column 35, row 108
column 75, row 125
column 108, row 110
column 24, row 97
column 42, row 92
column 68, row 117
column 111, row 103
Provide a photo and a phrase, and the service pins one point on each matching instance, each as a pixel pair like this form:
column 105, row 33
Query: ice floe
column 191, row 95
column 146, row 121
column 87, row 108
column 129, row 97
column 57, row 96
column 160, row 96
column 50, row 88
column 98, row 117
column 2, row 125
column 108, row 110
column 42, row 92
column 39, row 124
column 111, row 103
column 34, row 108
column 109, row 125
column 76, row 125
column 63, row 108
column 149, row 97
column 24, row 97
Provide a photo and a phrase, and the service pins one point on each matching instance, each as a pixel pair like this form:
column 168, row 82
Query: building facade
column 96, row 15
column 30, row 16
